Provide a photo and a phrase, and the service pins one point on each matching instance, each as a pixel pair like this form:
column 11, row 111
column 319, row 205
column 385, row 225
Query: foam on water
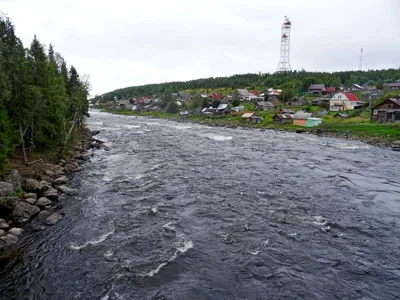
column 186, row 246
column 93, row 242
column 218, row 137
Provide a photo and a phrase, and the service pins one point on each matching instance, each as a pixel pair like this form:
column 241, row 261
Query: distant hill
column 298, row 80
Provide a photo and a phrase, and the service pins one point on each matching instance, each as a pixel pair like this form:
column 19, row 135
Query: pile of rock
column 395, row 146
column 41, row 193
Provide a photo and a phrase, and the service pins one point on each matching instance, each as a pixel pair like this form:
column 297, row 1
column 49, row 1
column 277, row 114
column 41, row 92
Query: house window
column 375, row 112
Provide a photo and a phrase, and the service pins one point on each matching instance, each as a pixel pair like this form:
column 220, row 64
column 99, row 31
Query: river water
column 185, row 211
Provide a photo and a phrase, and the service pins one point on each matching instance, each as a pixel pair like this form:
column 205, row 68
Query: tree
column 172, row 108
column 286, row 95
column 5, row 140
column 236, row 102
column 379, row 84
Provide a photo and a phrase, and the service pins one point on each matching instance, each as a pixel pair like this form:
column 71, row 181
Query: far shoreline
column 381, row 141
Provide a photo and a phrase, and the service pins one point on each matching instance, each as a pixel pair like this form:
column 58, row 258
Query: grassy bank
column 359, row 127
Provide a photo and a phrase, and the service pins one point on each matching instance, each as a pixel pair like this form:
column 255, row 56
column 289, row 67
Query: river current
column 186, row 211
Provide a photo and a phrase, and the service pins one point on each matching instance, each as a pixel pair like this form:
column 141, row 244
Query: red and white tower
column 284, row 62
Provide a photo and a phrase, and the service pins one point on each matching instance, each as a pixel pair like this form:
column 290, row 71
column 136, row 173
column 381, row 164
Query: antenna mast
column 284, row 62
column 361, row 60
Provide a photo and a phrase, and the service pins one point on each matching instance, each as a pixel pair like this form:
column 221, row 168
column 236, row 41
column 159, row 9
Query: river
column 186, row 211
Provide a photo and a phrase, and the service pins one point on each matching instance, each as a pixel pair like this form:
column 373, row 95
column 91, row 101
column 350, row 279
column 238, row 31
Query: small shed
column 322, row 112
column 251, row 118
column 238, row 108
column 223, row 109
column 265, row 105
column 312, row 122
column 341, row 116
column 282, row 119
column 300, row 118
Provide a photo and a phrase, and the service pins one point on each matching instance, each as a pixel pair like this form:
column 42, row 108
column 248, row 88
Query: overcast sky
column 121, row 43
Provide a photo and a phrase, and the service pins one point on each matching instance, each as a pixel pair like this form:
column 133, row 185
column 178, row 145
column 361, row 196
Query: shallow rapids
column 185, row 211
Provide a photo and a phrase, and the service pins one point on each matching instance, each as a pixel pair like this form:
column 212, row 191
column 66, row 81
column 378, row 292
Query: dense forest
column 297, row 80
column 42, row 102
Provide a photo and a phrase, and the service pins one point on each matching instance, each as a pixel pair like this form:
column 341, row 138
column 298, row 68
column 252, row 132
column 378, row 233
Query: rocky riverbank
column 31, row 202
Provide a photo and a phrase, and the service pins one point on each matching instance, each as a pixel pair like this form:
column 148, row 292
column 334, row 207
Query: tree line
column 42, row 102
column 299, row 81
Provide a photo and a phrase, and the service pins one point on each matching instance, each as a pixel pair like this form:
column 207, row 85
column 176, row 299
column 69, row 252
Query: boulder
column 7, row 205
column 44, row 186
column 15, row 179
column 8, row 240
column 2, row 232
column 62, row 162
column 30, row 195
column 43, row 201
column 15, row 231
column 53, row 219
column 4, row 225
column 67, row 190
column 69, row 168
column 24, row 211
column 31, row 185
column 43, row 215
column 60, row 172
column 60, row 180
column 6, row 189
column 30, row 201
column 49, row 173
column 52, row 194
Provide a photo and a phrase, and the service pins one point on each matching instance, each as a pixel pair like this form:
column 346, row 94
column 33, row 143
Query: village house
column 371, row 94
column 265, row 105
column 387, row 111
column 251, row 118
column 355, row 87
column 320, row 100
column 393, row 86
column 287, row 111
column 223, row 109
column 345, row 101
column 242, row 94
column 306, row 119
column 317, row 89
column 216, row 96
column 273, row 94
column 282, row 119
column 298, row 101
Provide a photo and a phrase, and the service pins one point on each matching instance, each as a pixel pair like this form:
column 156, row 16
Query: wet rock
column 30, row 195
column 30, row 201
column 95, row 132
column 53, row 219
column 15, row 179
column 69, row 167
column 60, row 172
column 52, row 194
column 49, row 173
column 7, row 205
column 8, row 240
column 15, row 231
column 2, row 232
column 43, row 215
column 31, row 185
column 24, row 211
column 6, row 189
column 44, row 186
column 43, row 201
column 60, row 180
column 3, row 224
column 67, row 190
column 62, row 162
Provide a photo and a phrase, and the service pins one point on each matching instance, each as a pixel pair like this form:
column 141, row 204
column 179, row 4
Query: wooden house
column 282, row 119
column 251, row 118
column 387, row 111
column 341, row 116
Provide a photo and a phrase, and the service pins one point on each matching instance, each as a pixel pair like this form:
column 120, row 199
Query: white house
column 344, row 101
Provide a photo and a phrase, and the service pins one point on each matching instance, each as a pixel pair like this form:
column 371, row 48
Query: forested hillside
column 297, row 80
column 42, row 102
